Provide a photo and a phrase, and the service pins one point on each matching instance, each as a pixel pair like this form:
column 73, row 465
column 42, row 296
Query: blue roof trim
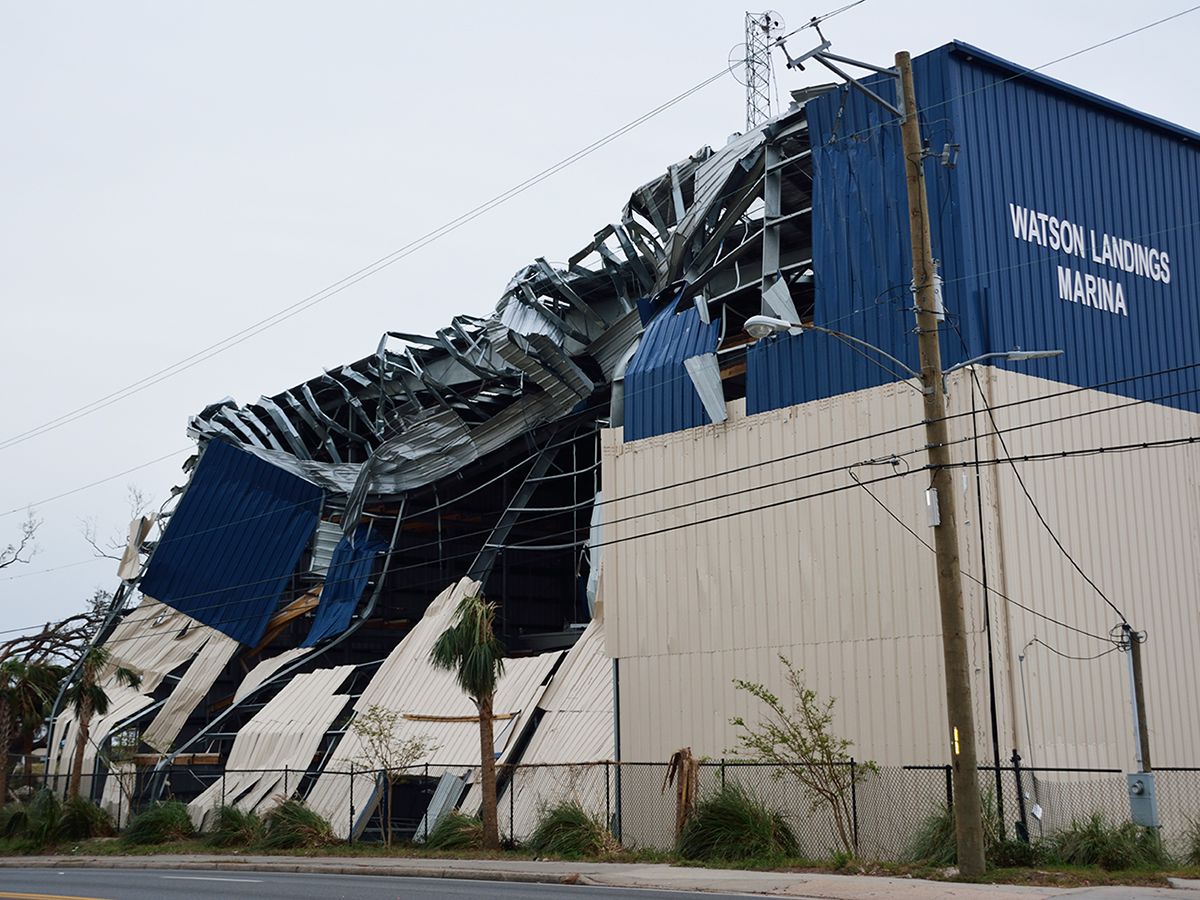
column 659, row 395
column 344, row 584
column 1144, row 118
column 234, row 542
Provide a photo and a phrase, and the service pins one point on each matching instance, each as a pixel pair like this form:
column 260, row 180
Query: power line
column 385, row 261
column 353, row 278
column 1058, row 652
column 978, row 387
column 966, row 574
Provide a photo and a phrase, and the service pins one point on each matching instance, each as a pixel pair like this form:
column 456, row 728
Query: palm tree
column 25, row 688
column 87, row 697
column 470, row 649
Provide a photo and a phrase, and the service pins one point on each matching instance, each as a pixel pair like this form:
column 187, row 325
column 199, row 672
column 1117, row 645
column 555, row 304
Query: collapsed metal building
column 325, row 533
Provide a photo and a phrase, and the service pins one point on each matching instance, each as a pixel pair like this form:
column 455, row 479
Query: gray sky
column 173, row 172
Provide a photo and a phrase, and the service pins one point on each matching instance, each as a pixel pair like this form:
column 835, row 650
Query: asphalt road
column 154, row 884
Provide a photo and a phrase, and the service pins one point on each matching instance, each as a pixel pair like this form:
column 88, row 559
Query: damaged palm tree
column 470, row 649
column 87, row 697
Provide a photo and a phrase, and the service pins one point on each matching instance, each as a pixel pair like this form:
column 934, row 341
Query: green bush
column 160, row 824
column 569, row 830
column 934, row 844
column 730, row 824
column 234, row 828
column 81, row 819
column 1094, row 842
column 292, row 825
column 456, row 831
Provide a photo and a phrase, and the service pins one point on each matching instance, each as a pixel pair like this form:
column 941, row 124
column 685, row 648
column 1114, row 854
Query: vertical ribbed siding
column 234, row 541
column 1026, row 140
column 659, row 396
column 835, row 584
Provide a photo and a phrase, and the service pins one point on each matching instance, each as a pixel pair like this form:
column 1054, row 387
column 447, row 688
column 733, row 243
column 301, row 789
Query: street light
column 1010, row 355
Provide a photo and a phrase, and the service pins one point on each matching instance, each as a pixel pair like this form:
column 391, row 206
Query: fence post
column 722, row 773
column 286, row 793
column 1022, row 827
column 950, row 788
column 607, row 799
column 427, row 805
column 350, row 836
column 854, row 799
column 512, row 799
column 120, row 793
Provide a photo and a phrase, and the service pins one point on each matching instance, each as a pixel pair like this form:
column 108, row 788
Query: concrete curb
column 298, row 867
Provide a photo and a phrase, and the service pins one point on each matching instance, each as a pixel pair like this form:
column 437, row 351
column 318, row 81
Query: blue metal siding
column 344, row 583
column 234, row 542
column 659, row 396
column 1027, row 140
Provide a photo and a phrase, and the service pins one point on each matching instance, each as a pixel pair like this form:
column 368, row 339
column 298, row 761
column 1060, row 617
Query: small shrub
column 934, row 842
column 291, row 825
column 161, row 823
column 15, row 821
column 1014, row 855
column 1094, row 842
column 234, row 828
column 569, row 830
column 730, row 824
column 43, row 823
column 81, row 819
column 840, row 861
column 456, row 831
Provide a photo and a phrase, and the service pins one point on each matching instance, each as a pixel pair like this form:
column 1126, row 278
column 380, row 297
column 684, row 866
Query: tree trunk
column 81, row 738
column 487, row 765
column 5, row 741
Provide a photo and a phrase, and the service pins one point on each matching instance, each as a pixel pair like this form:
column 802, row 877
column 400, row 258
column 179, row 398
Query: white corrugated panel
column 196, row 682
column 265, row 669
column 408, row 683
column 576, row 729
column 153, row 640
column 788, row 556
column 284, row 735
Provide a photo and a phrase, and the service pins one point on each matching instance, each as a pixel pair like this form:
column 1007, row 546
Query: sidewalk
column 818, row 886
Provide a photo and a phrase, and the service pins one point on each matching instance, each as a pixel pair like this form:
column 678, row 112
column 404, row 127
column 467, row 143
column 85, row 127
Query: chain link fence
column 885, row 807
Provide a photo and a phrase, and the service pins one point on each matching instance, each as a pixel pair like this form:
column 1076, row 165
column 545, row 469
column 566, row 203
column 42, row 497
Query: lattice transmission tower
column 761, row 30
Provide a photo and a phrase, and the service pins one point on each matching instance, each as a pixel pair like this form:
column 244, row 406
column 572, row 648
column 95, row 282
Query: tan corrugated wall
column 835, row 584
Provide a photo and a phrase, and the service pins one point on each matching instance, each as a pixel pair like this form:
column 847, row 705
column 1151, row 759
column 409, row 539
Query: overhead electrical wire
column 720, row 474
column 849, row 468
column 433, row 235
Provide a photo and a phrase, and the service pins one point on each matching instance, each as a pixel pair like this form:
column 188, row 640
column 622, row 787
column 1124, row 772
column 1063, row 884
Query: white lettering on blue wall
column 1061, row 235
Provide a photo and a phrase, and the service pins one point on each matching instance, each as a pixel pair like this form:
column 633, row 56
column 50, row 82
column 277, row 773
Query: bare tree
column 24, row 548
column 387, row 752
column 114, row 546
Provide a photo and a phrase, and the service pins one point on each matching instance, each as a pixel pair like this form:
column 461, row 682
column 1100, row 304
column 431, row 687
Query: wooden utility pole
column 968, row 814
column 1141, row 728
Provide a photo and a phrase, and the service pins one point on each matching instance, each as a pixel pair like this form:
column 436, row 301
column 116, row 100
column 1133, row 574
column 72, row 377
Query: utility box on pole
column 1143, row 801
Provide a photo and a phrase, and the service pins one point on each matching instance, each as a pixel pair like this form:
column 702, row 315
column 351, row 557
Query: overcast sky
column 174, row 172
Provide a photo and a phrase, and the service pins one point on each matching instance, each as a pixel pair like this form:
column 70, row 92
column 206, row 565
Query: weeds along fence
column 886, row 806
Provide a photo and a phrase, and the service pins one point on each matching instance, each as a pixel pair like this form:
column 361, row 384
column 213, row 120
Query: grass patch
column 1094, row 842
column 934, row 844
column 731, row 824
column 1191, row 843
column 159, row 824
column 569, row 830
column 291, row 825
column 234, row 828
column 455, row 831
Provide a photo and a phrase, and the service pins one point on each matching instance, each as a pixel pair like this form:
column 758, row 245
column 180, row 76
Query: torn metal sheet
column 705, row 372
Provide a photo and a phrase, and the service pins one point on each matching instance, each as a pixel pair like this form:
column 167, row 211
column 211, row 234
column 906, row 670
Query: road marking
column 12, row 896
column 205, row 878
